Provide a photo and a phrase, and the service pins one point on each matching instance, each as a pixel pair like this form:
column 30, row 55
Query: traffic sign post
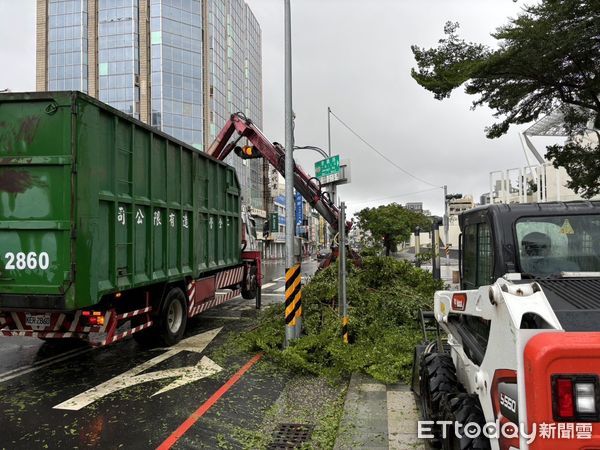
column 328, row 170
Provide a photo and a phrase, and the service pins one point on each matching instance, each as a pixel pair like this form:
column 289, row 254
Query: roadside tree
column 390, row 224
column 547, row 58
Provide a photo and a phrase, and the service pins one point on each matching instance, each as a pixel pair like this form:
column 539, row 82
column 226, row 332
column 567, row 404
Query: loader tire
column 464, row 409
column 437, row 381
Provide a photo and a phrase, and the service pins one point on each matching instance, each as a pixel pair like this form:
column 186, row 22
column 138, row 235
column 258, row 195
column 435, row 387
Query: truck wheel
column 170, row 324
column 437, row 381
column 173, row 317
column 250, row 286
column 464, row 409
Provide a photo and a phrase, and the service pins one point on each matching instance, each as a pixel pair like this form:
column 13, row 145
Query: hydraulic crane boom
column 309, row 187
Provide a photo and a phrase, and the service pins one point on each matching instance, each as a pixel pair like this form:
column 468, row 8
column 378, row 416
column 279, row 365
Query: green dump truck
column 109, row 227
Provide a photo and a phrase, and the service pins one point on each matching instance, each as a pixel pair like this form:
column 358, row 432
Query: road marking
column 190, row 421
column 279, row 279
column 268, row 285
column 281, row 289
column 205, row 368
column 6, row 376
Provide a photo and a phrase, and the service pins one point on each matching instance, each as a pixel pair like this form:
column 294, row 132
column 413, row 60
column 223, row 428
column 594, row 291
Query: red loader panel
column 547, row 355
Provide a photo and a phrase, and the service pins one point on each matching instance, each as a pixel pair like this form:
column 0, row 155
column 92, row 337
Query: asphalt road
column 125, row 396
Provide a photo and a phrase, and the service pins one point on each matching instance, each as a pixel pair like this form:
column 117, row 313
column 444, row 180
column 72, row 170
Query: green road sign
column 274, row 221
column 327, row 167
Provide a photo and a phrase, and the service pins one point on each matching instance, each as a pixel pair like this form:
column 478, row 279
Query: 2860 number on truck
column 22, row 261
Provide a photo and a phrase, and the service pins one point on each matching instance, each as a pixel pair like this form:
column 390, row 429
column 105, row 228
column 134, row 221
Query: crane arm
column 274, row 153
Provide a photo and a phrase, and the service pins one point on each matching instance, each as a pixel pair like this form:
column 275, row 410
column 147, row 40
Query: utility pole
column 292, row 275
column 342, row 272
column 435, row 249
column 446, row 219
column 329, row 130
column 327, row 230
column 332, row 190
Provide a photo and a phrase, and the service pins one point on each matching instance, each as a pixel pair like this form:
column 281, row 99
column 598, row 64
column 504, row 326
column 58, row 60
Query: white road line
column 272, row 295
column 279, row 279
column 36, row 363
column 204, row 368
column 41, row 364
column 268, row 285
column 281, row 289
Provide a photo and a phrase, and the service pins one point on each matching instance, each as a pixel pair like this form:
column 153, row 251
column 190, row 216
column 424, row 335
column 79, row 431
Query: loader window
column 470, row 257
column 478, row 257
column 485, row 255
column 553, row 244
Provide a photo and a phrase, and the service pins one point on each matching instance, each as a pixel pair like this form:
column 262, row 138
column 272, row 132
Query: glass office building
column 67, row 46
column 235, row 81
column 176, row 67
column 118, row 55
column 181, row 65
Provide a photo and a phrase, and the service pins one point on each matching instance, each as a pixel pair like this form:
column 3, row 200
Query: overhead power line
column 381, row 154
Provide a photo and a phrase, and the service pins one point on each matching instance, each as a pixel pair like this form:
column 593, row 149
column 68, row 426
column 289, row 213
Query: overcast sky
column 354, row 56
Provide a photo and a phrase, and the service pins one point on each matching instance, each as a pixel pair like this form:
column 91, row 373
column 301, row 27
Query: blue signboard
column 299, row 209
column 280, row 200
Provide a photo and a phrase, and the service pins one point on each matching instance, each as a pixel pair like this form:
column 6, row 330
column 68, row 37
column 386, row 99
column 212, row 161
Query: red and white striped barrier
column 220, row 297
column 124, row 334
column 230, row 277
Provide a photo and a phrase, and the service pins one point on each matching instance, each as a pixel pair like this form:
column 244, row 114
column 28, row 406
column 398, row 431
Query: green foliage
column 384, row 297
column 391, row 223
column 371, row 250
column 547, row 58
column 424, row 256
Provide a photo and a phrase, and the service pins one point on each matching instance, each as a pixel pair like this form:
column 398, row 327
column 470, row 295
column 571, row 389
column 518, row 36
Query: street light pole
column 446, row 218
column 320, row 151
column 290, row 329
column 329, row 130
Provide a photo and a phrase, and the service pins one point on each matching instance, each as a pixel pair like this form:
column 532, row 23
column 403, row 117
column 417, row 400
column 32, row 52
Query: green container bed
column 93, row 202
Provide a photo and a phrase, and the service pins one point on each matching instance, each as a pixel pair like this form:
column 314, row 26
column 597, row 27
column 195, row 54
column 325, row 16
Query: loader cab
column 477, row 254
column 536, row 240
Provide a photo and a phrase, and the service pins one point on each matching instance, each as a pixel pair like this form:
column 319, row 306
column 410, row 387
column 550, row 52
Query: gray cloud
column 354, row 55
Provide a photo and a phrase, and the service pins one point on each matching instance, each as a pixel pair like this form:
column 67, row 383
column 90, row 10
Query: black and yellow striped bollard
column 293, row 302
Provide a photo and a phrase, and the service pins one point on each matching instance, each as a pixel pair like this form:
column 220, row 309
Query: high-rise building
column 234, row 81
column 182, row 66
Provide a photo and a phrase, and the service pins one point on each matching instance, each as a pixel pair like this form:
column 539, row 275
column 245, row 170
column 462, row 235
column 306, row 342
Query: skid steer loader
column 512, row 360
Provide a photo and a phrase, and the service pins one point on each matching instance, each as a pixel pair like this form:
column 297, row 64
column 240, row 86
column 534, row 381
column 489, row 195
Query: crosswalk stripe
column 281, row 289
column 268, row 285
column 279, row 279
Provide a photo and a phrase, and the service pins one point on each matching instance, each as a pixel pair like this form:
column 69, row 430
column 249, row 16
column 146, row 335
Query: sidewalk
column 378, row 416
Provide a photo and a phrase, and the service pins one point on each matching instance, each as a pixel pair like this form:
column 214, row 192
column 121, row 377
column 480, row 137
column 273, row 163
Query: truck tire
column 437, row 381
column 464, row 409
column 170, row 324
column 250, row 286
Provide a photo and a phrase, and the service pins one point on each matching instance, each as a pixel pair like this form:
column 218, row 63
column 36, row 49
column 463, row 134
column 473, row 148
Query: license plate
column 37, row 321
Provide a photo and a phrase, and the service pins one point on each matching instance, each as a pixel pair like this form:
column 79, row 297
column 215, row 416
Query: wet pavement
column 126, row 396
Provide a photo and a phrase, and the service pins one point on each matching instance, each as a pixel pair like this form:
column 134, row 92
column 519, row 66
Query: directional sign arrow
column 205, row 368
